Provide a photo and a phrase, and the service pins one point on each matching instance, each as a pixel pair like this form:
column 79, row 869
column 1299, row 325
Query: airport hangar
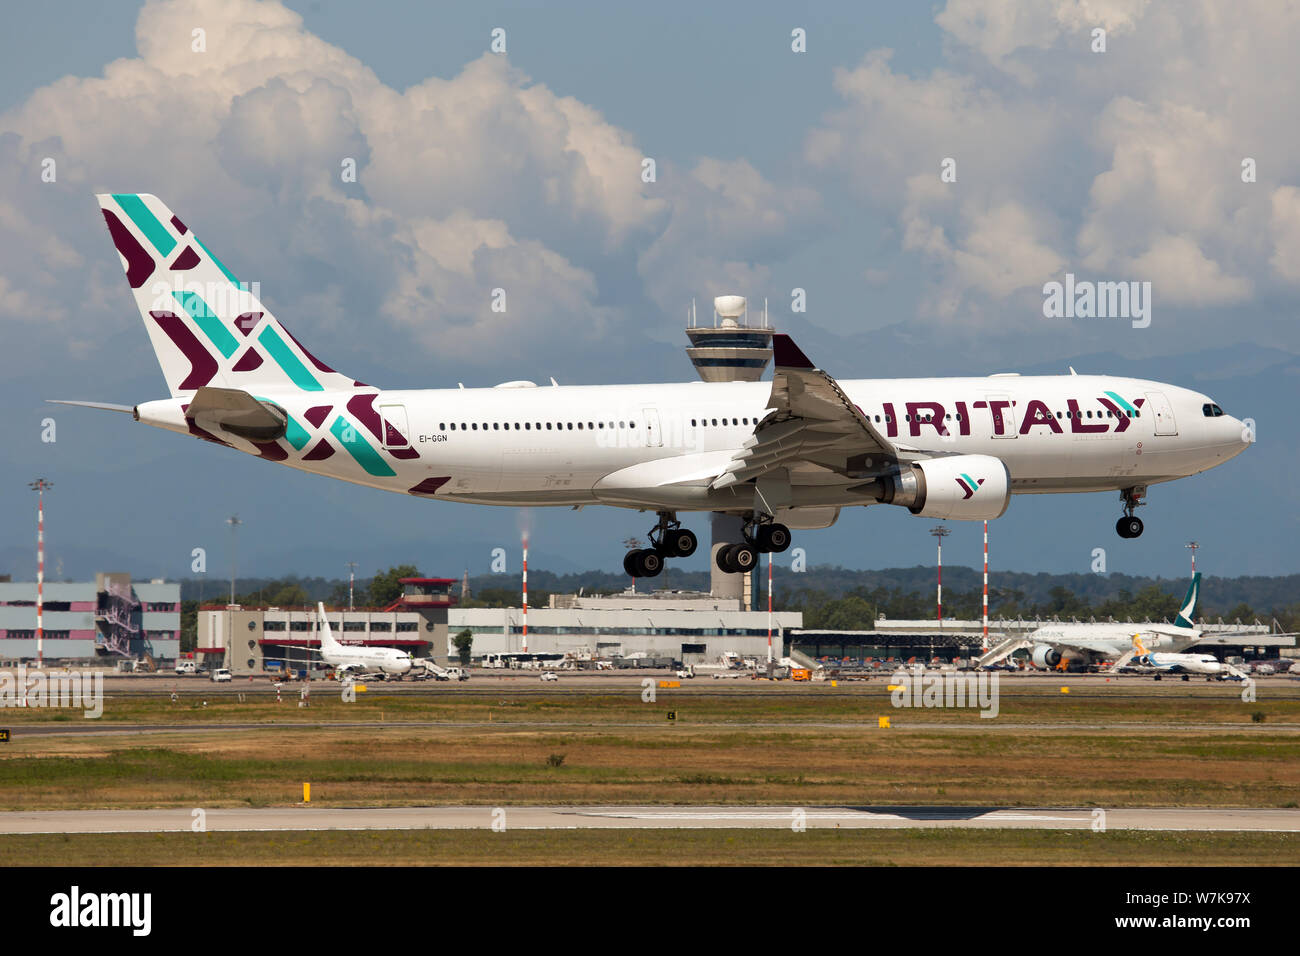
column 688, row 627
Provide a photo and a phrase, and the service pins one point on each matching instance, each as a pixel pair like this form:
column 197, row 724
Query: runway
column 645, row 818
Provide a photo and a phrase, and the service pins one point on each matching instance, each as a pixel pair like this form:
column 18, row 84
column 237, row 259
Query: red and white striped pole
column 940, row 532
column 41, row 486
column 525, row 647
column 769, row 607
column 985, row 644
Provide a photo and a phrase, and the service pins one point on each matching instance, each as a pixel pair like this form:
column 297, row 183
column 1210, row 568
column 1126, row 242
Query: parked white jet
column 785, row 454
column 1078, row 645
column 1184, row 664
column 368, row 660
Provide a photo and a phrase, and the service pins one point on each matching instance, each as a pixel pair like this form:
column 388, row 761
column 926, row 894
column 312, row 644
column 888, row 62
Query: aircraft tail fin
column 1187, row 613
column 327, row 641
column 206, row 327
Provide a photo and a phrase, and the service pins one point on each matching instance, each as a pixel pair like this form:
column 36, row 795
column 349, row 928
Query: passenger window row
column 531, row 426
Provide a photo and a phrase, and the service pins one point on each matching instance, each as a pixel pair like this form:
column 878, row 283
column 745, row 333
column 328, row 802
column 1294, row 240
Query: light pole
column 984, row 643
column 940, row 532
column 40, row 486
column 352, row 574
column 769, row 607
column 1192, row 546
column 234, row 523
column 525, row 647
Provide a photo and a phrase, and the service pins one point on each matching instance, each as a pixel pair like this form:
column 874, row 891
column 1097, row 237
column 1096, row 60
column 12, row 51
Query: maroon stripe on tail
column 139, row 264
column 317, row 414
column 203, row 367
column 248, row 361
column 362, row 406
column 186, row 261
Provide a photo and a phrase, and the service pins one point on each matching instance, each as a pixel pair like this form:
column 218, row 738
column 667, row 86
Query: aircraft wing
column 812, row 426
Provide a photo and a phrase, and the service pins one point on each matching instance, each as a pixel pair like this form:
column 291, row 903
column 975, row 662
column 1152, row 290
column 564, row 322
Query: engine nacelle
column 1045, row 656
column 962, row 487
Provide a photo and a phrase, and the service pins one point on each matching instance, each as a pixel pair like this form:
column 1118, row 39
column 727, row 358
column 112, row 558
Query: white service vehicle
column 221, row 675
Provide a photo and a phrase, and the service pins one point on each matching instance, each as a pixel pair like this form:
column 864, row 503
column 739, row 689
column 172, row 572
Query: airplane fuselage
column 660, row 445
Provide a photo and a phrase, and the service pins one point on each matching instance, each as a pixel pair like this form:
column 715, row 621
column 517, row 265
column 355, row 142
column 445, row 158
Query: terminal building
column 259, row 640
column 109, row 618
column 686, row 626
column 690, row 627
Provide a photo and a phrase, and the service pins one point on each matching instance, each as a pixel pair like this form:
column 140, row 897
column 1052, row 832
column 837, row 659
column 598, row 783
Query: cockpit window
column 1210, row 410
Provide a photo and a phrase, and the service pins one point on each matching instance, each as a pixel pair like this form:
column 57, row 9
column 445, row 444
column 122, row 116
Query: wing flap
column 812, row 422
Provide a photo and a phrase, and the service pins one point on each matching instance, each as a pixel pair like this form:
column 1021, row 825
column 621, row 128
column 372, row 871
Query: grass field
column 658, row 848
column 1125, row 745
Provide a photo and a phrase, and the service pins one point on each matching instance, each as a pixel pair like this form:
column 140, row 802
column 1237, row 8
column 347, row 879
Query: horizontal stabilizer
column 237, row 412
column 105, row 406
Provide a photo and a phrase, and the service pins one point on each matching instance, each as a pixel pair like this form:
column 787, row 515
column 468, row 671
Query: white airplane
column 346, row 659
column 1063, row 646
column 1184, row 664
column 781, row 455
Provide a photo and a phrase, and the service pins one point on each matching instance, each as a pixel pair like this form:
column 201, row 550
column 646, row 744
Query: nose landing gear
column 1130, row 526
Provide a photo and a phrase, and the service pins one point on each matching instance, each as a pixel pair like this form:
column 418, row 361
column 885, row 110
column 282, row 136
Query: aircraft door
column 652, row 431
column 1163, row 413
column 394, row 426
column 1002, row 414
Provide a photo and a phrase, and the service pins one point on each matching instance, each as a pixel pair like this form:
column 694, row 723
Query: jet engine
column 961, row 487
column 1045, row 656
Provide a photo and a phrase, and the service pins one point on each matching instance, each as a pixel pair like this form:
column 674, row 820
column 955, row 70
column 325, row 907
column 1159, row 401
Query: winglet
column 788, row 355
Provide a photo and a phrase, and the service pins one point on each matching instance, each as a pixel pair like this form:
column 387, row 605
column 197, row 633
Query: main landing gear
column 1130, row 526
column 668, row 539
column 762, row 535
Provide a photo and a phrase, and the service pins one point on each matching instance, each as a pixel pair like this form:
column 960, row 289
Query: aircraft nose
column 1233, row 436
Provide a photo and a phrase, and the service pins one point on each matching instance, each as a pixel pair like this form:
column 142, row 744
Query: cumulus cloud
column 485, row 180
column 1125, row 164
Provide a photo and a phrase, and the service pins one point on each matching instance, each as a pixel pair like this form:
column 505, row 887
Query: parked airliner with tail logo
column 1075, row 646
column 786, row 454
column 1184, row 664
column 346, row 659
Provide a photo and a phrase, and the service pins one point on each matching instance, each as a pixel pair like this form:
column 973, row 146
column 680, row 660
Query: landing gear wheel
column 741, row 558
column 721, row 559
column 1129, row 527
column 773, row 538
column 629, row 566
column 681, row 542
column 647, row 563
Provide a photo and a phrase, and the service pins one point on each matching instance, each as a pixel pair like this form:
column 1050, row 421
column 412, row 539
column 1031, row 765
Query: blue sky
column 776, row 170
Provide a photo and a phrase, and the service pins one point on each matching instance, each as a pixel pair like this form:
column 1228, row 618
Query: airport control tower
column 729, row 350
